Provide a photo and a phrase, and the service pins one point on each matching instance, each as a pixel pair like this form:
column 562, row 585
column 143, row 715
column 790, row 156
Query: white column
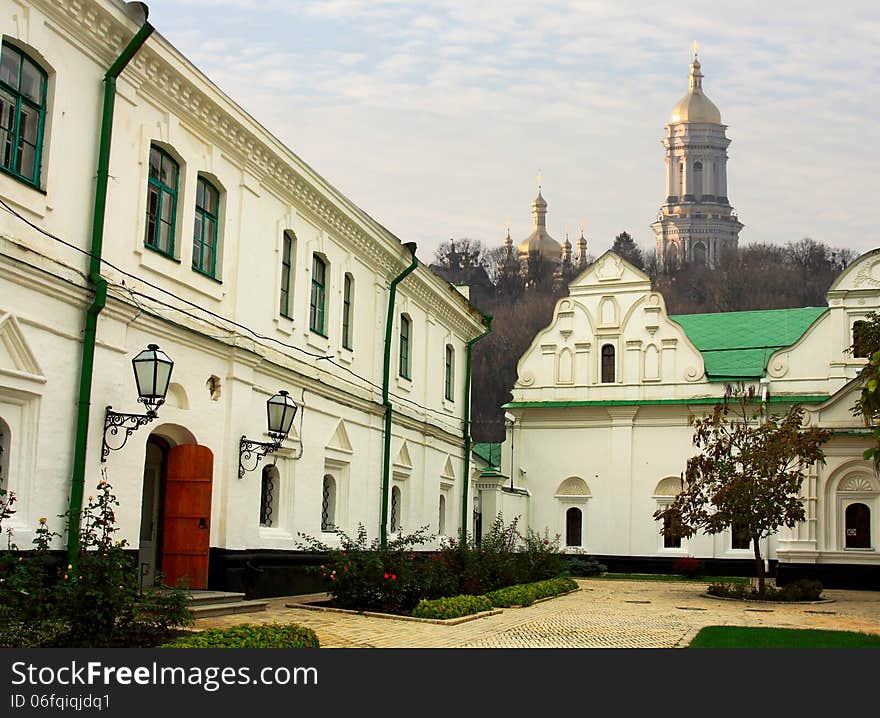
column 669, row 184
column 688, row 176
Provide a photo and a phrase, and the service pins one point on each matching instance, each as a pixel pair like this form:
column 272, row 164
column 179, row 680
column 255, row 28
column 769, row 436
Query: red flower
column 345, row 568
column 393, row 577
column 546, row 542
column 386, row 575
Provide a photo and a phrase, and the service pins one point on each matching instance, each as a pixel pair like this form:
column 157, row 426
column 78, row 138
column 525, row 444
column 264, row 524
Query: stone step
column 210, row 610
column 201, row 598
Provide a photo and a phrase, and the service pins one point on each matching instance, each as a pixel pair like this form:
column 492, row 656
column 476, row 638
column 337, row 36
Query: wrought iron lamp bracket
column 254, row 451
column 116, row 422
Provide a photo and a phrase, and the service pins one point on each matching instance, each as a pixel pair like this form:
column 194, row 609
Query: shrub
column 688, row 566
column 585, row 566
column 452, row 607
column 248, row 635
column 363, row 575
column 803, row 590
column 96, row 603
column 526, row 594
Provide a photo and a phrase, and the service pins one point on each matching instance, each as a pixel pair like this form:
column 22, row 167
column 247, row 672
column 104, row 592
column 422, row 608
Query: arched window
column 268, row 495
column 319, row 292
column 450, row 373
column 395, row 508
column 697, row 190
column 347, row 298
column 858, row 526
column 680, row 179
column 205, row 230
column 574, row 519
column 608, row 364
column 859, row 347
column 161, row 201
column 442, row 522
column 328, row 504
column 672, row 257
column 405, row 358
column 288, row 247
column 699, row 254
column 5, row 443
column 22, row 114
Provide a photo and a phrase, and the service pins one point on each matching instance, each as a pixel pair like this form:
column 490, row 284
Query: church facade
column 696, row 223
column 599, row 426
column 251, row 272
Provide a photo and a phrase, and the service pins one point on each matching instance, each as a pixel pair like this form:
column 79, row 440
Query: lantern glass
column 152, row 374
column 281, row 410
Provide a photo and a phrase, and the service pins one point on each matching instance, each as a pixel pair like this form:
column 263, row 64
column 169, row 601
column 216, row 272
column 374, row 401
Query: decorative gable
column 16, row 356
column 448, row 470
column 340, row 440
column 403, row 460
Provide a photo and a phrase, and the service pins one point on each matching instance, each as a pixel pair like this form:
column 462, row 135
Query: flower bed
column 452, row 607
column 248, row 635
column 803, row 591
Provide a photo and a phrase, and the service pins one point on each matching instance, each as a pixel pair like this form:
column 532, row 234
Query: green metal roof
column 739, row 344
column 490, row 453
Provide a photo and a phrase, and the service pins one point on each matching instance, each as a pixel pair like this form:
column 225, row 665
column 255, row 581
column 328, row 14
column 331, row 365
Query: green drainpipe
column 389, row 410
column 467, row 425
column 100, row 284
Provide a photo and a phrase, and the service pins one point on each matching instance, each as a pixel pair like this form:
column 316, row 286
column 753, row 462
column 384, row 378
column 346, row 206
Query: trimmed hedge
column 525, row 594
column 452, row 607
column 249, row 635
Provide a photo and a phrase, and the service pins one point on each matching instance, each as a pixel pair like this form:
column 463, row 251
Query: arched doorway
column 175, row 524
column 573, row 525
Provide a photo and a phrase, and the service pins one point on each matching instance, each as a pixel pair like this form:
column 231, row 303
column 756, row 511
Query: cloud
column 435, row 116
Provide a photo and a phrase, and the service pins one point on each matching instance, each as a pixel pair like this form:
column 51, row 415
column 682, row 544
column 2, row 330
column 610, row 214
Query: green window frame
column 164, row 175
column 287, row 242
column 205, row 234
column 405, row 330
column 319, row 295
column 22, row 114
column 346, row 311
column 450, row 373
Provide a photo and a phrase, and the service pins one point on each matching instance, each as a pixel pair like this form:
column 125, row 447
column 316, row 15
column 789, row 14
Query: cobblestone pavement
column 604, row 613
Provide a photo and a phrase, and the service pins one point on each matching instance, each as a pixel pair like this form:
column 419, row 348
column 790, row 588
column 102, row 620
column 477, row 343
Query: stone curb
column 761, row 600
column 436, row 621
column 395, row 617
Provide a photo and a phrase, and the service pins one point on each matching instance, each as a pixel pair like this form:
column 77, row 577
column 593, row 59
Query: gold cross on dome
column 540, row 180
column 696, row 47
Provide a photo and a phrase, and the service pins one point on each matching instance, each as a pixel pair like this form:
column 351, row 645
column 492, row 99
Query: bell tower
column 696, row 224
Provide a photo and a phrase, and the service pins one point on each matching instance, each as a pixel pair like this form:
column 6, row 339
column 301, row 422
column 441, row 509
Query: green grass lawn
column 739, row 637
column 673, row 577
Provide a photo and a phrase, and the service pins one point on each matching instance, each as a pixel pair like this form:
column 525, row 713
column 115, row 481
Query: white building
column 599, row 433
column 696, row 223
column 250, row 271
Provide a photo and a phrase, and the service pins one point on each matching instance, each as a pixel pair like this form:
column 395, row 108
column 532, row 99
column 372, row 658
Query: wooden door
column 186, row 530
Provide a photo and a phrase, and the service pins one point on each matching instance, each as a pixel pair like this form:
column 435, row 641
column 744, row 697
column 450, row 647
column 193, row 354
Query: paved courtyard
column 604, row 613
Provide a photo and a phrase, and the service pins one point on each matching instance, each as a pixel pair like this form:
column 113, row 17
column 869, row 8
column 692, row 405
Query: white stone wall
column 265, row 189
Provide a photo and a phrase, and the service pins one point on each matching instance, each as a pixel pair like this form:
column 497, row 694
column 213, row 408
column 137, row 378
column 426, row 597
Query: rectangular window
column 346, row 312
column 205, row 230
column 316, row 305
column 22, row 114
column 161, row 202
column 286, row 266
column 404, row 346
column 739, row 536
column 672, row 532
column 450, row 373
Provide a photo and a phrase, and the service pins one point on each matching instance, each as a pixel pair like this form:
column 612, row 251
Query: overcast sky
column 435, row 117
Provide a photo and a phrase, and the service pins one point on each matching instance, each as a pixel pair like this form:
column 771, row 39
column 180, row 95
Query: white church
column 214, row 247
column 598, row 431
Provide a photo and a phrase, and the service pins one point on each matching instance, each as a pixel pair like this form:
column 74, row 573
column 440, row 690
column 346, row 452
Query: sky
column 436, row 117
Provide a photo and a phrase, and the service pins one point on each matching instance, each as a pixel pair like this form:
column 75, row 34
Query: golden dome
column 695, row 106
column 540, row 242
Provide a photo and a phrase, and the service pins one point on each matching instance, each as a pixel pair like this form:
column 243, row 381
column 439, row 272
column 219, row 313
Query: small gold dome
column 695, row 106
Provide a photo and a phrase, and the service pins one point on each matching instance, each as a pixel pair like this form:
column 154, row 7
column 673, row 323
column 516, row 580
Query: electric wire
column 255, row 335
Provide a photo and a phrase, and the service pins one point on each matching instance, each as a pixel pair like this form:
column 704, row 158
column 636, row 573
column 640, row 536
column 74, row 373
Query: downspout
column 467, row 426
column 386, row 402
column 100, row 285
